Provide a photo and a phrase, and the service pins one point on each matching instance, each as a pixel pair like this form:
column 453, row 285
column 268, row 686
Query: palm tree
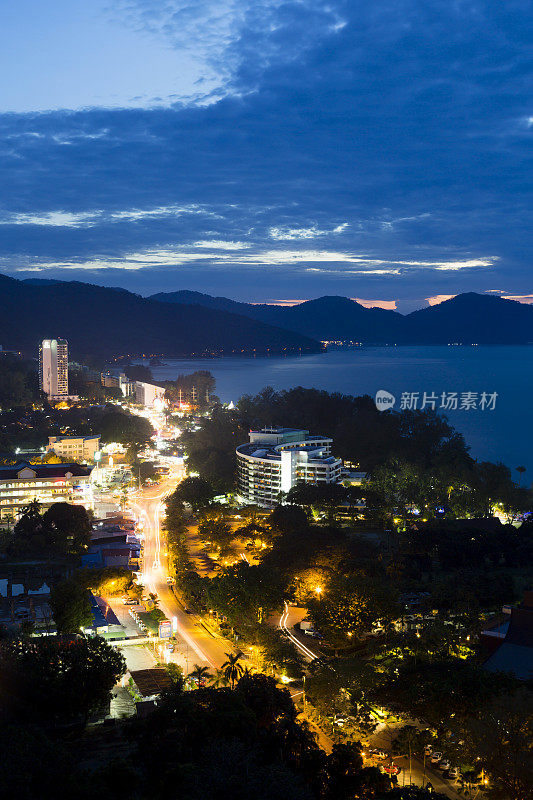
column 199, row 674
column 232, row 669
column 520, row 471
column 218, row 680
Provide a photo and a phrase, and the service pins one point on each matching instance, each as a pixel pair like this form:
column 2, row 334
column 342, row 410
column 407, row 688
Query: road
column 205, row 647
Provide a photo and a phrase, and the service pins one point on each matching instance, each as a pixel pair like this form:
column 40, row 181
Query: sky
column 270, row 150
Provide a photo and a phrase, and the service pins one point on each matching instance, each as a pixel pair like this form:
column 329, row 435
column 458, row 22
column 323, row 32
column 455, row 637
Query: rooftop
column 44, row 470
column 151, row 681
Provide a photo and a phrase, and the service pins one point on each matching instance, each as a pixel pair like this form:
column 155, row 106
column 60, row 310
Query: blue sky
column 269, row 150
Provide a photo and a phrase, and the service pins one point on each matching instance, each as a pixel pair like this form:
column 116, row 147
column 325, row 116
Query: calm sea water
column 504, row 434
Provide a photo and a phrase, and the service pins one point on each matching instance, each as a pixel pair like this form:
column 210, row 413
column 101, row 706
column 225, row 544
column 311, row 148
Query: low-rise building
column 118, row 380
column 47, row 483
column 75, row 448
column 149, row 394
column 276, row 459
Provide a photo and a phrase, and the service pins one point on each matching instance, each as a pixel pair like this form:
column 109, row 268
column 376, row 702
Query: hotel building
column 75, row 448
column 53, row 368
column 276, row 459
column 48, row 483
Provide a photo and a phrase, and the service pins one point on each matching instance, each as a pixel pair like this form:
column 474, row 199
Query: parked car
column 428, row 750
column 391, row 769
column 453, row 772
column 436, row 757
column 444, row 764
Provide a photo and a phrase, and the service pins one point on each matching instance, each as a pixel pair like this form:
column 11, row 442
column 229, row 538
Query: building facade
column 75, row 448
column 276, row 459
column 47, row 483
column 53, row 368
column 149, row 395
column 118, row 380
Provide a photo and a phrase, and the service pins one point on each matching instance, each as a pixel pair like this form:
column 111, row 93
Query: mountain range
column 468, row 318
column 107, row 322
column 103, row 323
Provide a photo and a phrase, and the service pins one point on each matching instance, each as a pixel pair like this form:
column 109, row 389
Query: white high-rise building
column 53, row 367
column 276, row 459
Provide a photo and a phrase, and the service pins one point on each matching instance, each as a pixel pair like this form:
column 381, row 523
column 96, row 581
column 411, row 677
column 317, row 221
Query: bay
column 503, row 434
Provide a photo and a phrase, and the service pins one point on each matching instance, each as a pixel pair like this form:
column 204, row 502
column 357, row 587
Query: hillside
column 472, row 318
column 466, row 319
column 99, row 321
column 326, row 318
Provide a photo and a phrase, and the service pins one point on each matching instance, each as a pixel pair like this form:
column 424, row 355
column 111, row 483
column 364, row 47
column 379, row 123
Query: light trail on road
column 301, row 647
column 149, row 506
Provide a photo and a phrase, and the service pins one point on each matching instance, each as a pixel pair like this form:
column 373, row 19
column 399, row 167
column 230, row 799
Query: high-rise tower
column 53, row 367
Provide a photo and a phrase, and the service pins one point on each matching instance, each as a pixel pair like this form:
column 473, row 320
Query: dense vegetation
column 399, row 590
column 414, row 459
column 62, row 531
column 28, row 427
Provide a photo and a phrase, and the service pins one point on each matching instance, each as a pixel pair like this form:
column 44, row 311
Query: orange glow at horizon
column 439, row 298
column 278, row 302
column 521, row 298
column 388, row 305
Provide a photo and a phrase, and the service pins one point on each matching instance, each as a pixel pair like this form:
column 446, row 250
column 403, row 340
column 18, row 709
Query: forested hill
column 104, row 322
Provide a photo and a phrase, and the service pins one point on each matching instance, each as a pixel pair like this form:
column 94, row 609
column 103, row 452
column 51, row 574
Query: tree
column 322, row 496
column 245, row 594
column 216, row 531
column 62, row 531
column 71, row 606
column 199, row 675
column 500, row 733
column 347, row 778
column 127, row 429
column 195, row 388
column 175, row 673
column 232, row 668
column 138, row 372
column 56, row 678
column 406, row 742
column 195, row 491
column 350, row 607
column 288, row 518
column 71, row 526
column 211, row 450
column 434, row 689
column 154, row 598
column 219, row 679
column 262, row 695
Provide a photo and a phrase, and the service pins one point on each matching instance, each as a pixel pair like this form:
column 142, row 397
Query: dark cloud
column 393, row 136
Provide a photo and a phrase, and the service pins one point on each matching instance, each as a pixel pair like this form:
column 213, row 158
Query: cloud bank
column 372, row 150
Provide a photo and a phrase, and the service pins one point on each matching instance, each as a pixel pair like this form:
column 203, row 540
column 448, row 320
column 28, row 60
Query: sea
column 494, row 384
